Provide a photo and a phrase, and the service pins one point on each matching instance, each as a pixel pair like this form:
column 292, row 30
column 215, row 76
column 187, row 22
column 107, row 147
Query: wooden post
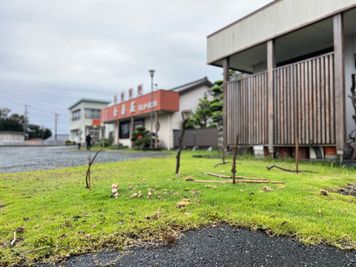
column 339, row 84
column 270, row 65
column 226, row 66
column 297, row 154
column 233, row 169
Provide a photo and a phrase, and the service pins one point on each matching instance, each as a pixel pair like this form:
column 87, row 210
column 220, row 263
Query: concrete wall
column 11, row 138
column 275, row 20
column 350, row 50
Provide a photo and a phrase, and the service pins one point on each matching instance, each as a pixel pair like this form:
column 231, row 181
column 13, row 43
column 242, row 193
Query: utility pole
column 56, row 115
column 25, row 120
column 152, row 73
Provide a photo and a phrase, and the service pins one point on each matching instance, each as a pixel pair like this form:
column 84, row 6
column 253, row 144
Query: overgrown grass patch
column 60, row 217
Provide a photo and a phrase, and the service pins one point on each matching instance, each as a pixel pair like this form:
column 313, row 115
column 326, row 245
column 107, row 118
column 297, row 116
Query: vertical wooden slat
column 332, row 104
column 317, row 95
column 322, row 98
column 327, row 108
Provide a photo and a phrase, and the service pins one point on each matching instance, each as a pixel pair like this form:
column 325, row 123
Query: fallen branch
column 239, row 181
column 221, row 163
column 217, row 175
column 237, row 177
column 286, row 170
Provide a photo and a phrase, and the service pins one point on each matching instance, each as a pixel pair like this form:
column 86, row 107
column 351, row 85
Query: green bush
column 105, row 142
column 69, row 143
column 141, row 139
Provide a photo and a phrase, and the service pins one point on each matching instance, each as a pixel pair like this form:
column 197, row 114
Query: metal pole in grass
column 152, row 73
column 296, row 155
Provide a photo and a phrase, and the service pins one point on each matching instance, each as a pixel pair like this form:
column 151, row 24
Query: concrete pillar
column 271, row 64
column 340, row 120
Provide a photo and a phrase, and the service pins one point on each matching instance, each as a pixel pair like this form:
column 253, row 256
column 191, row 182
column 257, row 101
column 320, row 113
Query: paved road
column 15, row 159
column 223, row 246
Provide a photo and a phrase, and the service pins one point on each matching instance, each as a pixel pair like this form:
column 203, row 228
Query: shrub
column 105, row 142
column 141, row 139
column 69, row 143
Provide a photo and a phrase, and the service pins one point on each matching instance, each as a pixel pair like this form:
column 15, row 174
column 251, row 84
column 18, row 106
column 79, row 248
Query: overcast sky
column 54, row 52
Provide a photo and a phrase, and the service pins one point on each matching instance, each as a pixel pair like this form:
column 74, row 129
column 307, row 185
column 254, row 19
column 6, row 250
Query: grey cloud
column 53, row 52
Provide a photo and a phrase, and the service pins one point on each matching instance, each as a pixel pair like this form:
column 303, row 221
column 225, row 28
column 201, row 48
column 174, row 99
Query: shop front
column 152, row 111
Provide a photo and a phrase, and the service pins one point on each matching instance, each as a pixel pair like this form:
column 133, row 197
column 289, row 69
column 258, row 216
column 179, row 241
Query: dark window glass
column 139, row 123
column 76, row 115
column 124, row 131
column 92, row 113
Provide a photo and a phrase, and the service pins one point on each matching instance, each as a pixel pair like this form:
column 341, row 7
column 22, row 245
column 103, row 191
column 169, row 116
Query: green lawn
column 60, row 217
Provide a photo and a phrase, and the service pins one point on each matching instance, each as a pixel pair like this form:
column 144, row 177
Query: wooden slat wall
column 303, row 105
column 304, row 102
column 247, row 110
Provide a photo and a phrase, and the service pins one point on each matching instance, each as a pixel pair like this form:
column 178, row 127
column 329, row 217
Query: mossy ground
column 59, row 217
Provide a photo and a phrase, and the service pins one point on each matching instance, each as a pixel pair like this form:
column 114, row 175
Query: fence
column 197, row 137
column 303, row 105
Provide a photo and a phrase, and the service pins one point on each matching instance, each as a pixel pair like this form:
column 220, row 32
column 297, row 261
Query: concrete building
column 85, row 119
column 9, row 138
column 166, row 105
column 300, row 56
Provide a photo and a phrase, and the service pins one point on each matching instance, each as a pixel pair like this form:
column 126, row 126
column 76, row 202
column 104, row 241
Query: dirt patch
column 348, row 190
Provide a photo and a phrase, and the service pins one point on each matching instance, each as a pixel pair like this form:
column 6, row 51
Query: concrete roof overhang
column 304, row 42
column 287, row 21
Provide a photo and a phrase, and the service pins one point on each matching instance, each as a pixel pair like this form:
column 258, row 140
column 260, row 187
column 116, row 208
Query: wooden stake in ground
column 90, row 162
column 180, row 142
column 233, row 169
column 296, row 155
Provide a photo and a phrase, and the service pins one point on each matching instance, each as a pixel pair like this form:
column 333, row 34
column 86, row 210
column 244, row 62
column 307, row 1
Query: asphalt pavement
column 222, row 246
column 17, row 159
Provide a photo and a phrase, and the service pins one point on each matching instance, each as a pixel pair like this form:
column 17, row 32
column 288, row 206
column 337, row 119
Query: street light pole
column 152, row 73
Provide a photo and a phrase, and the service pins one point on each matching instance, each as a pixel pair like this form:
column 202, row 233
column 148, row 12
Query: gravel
column 17, row 159
column 222, row 246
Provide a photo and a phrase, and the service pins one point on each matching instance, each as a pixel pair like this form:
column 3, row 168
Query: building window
column 139, row 124
column 124, row 130
column 92, row 113
column 76, row 115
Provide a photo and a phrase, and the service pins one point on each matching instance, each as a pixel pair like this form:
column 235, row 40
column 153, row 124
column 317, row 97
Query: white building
column 85, row 119
column 166, row 107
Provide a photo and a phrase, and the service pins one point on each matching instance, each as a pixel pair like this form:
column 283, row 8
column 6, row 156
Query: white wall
column 350, row 50
column 188, row 101
column 273, row 21
column 11, row 138
column 82, row 122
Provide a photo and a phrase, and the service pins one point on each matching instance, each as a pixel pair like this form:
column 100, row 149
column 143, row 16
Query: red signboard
column 161, row 100
column 96, row 122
